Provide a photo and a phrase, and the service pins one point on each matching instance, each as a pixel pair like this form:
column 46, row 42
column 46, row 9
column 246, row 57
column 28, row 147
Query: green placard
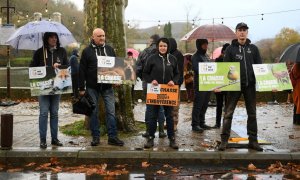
column 222, row 75
column 272, row 77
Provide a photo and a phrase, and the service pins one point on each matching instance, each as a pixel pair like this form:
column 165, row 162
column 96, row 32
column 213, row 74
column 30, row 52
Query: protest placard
column 115, row 70
column 271, row 77
column 49, row 81
column 162, row 94
column 222, row 75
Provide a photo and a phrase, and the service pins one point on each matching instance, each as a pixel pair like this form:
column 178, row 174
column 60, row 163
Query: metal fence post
column 6, row 131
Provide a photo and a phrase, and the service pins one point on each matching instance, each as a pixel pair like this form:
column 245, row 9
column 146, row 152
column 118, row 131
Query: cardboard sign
column 219, row 75
column 272, row 77
column 49, row 81
column 112, row 70
column 162, row 94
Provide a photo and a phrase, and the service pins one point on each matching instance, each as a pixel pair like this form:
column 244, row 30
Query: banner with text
column 49, row 81
column 222, row 75
column 272, row 77
column 115, row 70
column 162, row 94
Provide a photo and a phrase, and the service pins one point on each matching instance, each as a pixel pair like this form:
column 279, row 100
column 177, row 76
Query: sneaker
column 197, row 129
column 254, row 145
column 56, row 142
column 205, row 127
column 223, row 145
column 95, row 141
column 150, row 143
column 217, row 126
column 115, row 141
column 43, row 145
column 173, row 143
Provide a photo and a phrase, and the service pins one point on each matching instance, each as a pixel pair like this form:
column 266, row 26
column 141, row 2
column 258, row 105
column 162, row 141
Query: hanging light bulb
column 27, row 15
column 128, row 24
column 262, row 16
column 158, row 24
column 74, row 21
column 46, row 10
column 222, row 20
column 193, row 25
column 18, row 19
column 49, row 18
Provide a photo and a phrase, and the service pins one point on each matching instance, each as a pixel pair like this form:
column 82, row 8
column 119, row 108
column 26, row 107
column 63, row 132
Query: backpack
column 142, row 60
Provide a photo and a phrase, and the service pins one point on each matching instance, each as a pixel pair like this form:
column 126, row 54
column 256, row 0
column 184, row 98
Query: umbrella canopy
column 134, row 52
column 211, row 32
column 291, row 53
column 30, row 36
column 216, row 53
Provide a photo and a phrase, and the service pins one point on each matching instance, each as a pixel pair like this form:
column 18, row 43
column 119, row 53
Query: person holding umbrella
column 50, row 55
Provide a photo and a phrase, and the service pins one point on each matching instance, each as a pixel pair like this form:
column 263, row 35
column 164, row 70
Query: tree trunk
column 109, row 15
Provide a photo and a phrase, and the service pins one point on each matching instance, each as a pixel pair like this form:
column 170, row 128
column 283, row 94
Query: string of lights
column 215, row 18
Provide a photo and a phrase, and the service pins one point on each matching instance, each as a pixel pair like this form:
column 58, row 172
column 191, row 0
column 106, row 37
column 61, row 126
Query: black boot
column 173, row 143
column 150, row 142
column 253, row 144
column 95, row 141
column 161, row 133
column 224, row 143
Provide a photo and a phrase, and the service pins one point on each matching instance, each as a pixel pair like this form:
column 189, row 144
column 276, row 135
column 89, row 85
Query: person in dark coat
column 201, row 98
column 241, row 50
column 161, row 68
column 50, row 55
column 74, row 71
column 220, row 95
column 180, row 61
column 88, row 82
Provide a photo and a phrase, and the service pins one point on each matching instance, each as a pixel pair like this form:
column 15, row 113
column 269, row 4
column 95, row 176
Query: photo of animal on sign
column 221, row 75
column 271, row 77
column 50, row 81
column 114, row 70
column 162, row 94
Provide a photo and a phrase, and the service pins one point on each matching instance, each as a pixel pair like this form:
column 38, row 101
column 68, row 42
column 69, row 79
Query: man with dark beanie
column 201, row 98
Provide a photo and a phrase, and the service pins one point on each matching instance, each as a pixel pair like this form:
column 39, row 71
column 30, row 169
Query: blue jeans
column 48, row 103
column 153, row 116
column 109, row 102
column 200, row 106
column 161, row 115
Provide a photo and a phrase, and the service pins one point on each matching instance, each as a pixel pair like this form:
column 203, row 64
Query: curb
column 99, row 155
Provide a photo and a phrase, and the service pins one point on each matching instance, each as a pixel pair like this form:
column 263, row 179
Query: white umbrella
column 30, row 36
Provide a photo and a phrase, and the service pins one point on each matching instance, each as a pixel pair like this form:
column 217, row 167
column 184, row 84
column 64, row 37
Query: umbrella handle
column 44, row 56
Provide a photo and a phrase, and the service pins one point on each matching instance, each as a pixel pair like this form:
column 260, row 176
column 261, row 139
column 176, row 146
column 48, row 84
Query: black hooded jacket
column 199, row 56
column 247, row 55
column 180, row 60
column 88, row 66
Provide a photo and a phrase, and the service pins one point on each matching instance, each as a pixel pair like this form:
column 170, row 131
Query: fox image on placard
column 62, row 80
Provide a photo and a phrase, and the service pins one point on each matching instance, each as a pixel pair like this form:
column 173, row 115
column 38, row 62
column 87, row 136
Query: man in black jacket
column 88, row 82
column 241, row 50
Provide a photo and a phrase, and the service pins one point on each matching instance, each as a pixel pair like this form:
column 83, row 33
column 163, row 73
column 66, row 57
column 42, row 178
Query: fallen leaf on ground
column 30, row 164
column 160, row 172
column 15, row 170
column 205, row 145
column 121, row 165
column 251, row 167
column 145, row 164
column 167, row 166
column 175, row 170
column 54, row 161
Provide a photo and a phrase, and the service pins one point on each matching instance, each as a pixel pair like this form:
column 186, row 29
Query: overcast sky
column 148, row 12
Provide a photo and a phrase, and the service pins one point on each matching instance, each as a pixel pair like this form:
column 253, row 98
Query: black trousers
column 200, row 106
column 249, row 94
